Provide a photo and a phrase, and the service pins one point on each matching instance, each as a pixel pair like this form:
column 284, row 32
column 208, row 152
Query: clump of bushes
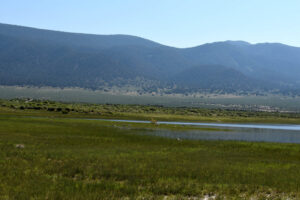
column 65, row 111
column 50, row 109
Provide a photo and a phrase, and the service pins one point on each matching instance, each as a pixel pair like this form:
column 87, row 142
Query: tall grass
column 81, row 159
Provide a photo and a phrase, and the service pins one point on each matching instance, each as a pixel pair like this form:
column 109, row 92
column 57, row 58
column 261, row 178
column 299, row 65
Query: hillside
column 36, row 57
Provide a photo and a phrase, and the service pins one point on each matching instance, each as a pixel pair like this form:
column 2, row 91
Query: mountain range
column 36, row 57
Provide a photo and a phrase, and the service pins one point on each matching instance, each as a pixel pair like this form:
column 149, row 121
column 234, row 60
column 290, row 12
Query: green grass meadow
column 87, row 159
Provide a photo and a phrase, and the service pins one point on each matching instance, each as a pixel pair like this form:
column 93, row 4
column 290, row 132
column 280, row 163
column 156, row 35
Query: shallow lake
column 242, row 132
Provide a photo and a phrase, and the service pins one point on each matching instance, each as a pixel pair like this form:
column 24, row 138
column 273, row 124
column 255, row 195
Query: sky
column 178, row 23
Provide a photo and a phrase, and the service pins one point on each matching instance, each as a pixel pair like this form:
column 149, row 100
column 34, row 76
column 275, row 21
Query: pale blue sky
column 180, row 23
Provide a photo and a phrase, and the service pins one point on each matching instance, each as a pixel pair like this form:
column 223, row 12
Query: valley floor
column 44, row 154
column 47, row 108
column 266, row 102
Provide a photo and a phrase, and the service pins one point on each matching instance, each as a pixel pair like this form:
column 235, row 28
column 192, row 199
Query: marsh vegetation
column 55, row 157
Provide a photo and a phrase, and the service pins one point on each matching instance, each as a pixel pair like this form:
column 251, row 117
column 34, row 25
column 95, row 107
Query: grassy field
column 141, row 112
column 80, row 159
column 55, row 157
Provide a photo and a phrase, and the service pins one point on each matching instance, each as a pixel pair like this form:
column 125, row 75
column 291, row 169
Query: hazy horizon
column 174, row 23
column 266, row 42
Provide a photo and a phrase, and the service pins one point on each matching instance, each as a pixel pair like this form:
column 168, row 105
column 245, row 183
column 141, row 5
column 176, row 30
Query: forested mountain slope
column 36, row 57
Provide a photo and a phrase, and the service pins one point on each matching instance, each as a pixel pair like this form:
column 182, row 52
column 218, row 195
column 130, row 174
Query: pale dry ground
column 227, row 101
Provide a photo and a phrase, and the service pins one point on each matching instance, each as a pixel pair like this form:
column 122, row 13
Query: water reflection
column 242, row 132
column 261, row 135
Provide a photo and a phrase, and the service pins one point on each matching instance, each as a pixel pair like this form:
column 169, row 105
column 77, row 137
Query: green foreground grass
column 88, row 159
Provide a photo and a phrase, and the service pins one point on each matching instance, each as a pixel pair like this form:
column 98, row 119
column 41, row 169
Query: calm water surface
column 243, row 132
